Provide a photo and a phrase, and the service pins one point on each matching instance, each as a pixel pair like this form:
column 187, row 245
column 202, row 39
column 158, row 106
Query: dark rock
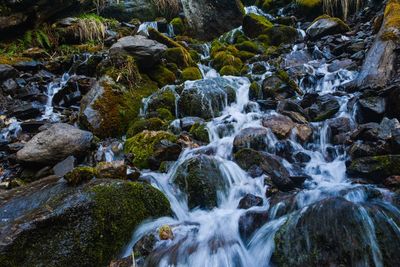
column 60, row 222
column 326, row 26
column 371, row 109
column 26, row 110
column 7, row 72
column 65, row 166
column 55, row 144
column 249, row 201
column 210, row 19
column 250, row 222
column 280, row 125
column 112, row 170
column 255, row 138
column 375, row 168
column 324, row 107
column 28, row 65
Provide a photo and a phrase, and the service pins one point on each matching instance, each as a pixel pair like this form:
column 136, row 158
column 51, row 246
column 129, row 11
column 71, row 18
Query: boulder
column 326, row 25
column 375, row 168
column 7, row 72
column 146, row 51
column 209, row 18
column 280, row 125
column 201, row 179
column 255, row 25
column 249, row 201
column 320, row 108
column 86, row 225
column 205, row 98
column 337, row 232
column 255, row 138
column 55, row 144
column 371, row 109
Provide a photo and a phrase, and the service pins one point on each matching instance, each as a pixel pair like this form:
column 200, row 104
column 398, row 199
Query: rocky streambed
column 253, row 133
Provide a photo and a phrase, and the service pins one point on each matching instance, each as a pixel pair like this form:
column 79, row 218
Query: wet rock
column 65, row 166
column 326, row 25
column 188, row 122
column 279, row 87
column 375, row 168
column 28, row 65
column 249, row 201
column 304, row 132
column 205, row 98
column 55, row 144
column 339, row 125
column 371, row 109
column 26, row 110
column 250, row 222
column 210, row 19
column 255, row 25
column 201, row 179
column 165, row 233
column 7, row 72
column 146, row 51
column 80, row 175
column 270, row 164
column 60, row 223
column 76, row 87
column 280, row 125
column 255, row 138
column 322, row 108
column 336, row 235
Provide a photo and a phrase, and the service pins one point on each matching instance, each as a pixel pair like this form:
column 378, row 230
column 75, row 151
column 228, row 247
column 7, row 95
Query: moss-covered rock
column 80, row 175
column 179, row 26
column 199, row 132
column 73, row 226
column 164, row 99
column 200, row 179
column 191, row 74
column 180, row 56
column 229, row 70
column 392, row 21
column 226, row 58
column 326, row 25
column 281, row 34
column 162, row 75
column 248, row 46
column 150, row 148
column 254, row 25
column 151, row 124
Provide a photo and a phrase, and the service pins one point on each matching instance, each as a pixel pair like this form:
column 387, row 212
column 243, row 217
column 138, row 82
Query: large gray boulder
column 49, row 223
column 146, row 51
column 55, row 144
column 211, row 18
column 326, row 26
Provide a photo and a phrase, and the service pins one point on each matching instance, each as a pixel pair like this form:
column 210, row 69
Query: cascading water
column 212, row 237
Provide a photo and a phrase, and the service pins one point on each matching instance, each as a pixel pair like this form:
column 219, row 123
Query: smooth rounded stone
column 250, row 222
column 209, row 18
column 370, row 109
column 255, row 138
column 280, row 125
column 90, row 223
column 375, row 168
column 55, row 144
column 7, row 72
column 249, row 201
column 335, row 232
column 146, row 51
column 205, row 98
column 201, row 179
column 326, row 26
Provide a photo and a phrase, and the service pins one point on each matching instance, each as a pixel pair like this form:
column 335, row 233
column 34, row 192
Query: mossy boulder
column 48, row 223
column 201, row 179
column 165, row 99
column 162, row 75
column 337, row 232
column 281, row 34
column 191, row 74
column 308, row 8
column 180, row 56
column 279, row 86
column 229, row 70
column 150, row 148
column 80, row 175
column 376, row 168
column 255, row 25
column 179, row 26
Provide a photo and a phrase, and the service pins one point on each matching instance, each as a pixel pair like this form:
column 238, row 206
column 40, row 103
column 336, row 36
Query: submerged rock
column 89, row 224
column 55, row 144
column 335, row 232
column 201, row 179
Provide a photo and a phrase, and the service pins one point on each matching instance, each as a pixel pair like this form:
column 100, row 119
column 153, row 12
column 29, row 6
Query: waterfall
column 342, row 8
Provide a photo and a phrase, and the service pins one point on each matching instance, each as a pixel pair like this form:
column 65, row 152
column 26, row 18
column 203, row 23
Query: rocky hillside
column 199, row 133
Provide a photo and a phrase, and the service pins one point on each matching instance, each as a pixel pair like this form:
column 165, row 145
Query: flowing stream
column 211, row 237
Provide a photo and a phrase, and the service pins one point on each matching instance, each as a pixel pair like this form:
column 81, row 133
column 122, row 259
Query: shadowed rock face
column 73, row 226
column 211, row 18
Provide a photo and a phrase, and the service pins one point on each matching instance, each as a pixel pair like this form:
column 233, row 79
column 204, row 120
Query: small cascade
column 258, row 11
column 145, row 26
column 52, row 89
